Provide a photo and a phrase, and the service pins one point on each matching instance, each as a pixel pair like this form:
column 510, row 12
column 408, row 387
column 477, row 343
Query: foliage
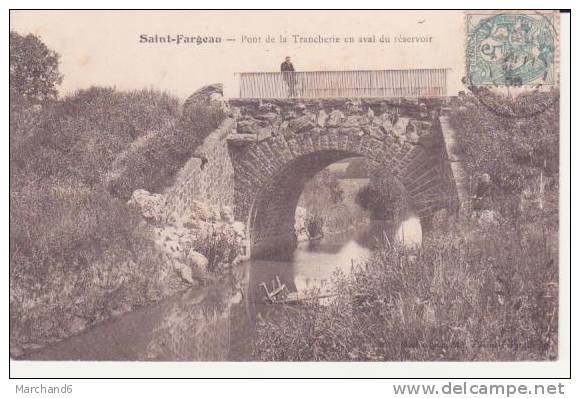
column 34, row 71
column 152, row 161
column 384, row 197
column 79, row 254
column 315, row 225
column 220, row 247
column 75, row 252
column 77, row 138
column 332, row 199
column 492, row 296
column 513, row 151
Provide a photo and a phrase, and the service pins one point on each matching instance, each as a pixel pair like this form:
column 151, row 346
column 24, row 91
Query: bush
column 513, row 151
column 490, row 297
column 78, row 138
column 151, row 162
column 75, row 252
column 219, row 247
column 384, row 197
column 314, row 225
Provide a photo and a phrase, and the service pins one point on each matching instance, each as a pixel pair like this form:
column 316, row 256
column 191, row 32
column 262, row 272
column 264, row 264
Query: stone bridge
column 266, row 150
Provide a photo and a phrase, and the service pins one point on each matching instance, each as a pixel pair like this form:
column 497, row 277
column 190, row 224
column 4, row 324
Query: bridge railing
column 329, row 84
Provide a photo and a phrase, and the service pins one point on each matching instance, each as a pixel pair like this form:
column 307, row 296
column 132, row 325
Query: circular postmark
column 511, row 61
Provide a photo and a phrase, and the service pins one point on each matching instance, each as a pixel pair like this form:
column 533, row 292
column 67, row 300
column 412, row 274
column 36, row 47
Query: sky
column 103, row 48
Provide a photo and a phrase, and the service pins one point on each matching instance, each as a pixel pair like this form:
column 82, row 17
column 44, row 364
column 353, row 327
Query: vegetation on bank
column 384, row 197
column 78, row 252
column 329, row 202
column 478, row 289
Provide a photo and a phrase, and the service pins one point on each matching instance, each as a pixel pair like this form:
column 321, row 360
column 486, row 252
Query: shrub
column 314, row 225
column 493, row 296
column 219, row 247
column 513, row 151
column 152, row 161
column 79, row 137
column 75, row 252
column 384, row 197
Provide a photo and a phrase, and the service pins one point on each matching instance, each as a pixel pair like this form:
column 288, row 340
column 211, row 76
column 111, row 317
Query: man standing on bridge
column 287, row 70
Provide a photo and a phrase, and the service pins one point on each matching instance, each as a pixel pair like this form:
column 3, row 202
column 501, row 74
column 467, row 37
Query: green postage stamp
column 511, row 48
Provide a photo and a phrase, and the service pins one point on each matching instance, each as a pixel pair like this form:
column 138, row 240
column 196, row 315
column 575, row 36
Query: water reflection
column 216, row 323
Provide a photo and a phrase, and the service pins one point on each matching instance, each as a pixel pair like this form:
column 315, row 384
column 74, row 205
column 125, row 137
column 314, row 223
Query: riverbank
column 454, row 299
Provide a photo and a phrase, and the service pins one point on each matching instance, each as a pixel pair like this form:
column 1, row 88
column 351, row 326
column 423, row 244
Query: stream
column 215, row 323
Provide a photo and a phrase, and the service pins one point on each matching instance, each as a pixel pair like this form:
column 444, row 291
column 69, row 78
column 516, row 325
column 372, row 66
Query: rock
column 264, row 133
column 241, row 139
column 353, row 121
column 352, row 106
column 268, row 107
column 300, row 107
column 300, row 124
column 321, row 118
column 236, row 298
column 248, row 126
column 412, row 137
column 151, row 205
column 370, row 114
column 400, row 128
column 184, row 271
column 375, row 132
column 212, row 93
column 270, row 117
column 352, row 131
column 218, row 98
column 198, row 260
column 335, row 118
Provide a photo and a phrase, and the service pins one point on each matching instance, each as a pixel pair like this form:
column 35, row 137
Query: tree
column 384, row 197
column 34, row 71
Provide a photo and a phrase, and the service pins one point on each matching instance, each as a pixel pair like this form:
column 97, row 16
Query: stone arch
column 269, row 177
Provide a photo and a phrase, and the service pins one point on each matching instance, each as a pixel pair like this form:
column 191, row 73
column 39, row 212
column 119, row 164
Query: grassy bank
column 483, row 295
column 79, row 253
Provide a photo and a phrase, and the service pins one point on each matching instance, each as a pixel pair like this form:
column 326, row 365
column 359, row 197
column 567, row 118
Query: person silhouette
column 288, row 75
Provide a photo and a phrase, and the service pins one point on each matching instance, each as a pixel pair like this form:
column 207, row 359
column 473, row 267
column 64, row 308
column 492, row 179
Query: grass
column 486, row 295
column 79, row 253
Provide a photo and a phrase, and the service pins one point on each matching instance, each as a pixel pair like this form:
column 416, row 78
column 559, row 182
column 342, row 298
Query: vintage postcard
column 285, row 186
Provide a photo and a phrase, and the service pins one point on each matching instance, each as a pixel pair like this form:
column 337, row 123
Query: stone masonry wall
column 278, row 145
column 259, row 159
column 208, row 177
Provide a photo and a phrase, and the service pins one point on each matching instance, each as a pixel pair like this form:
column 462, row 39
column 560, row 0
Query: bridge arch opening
column 276, row 153
column 271, row 223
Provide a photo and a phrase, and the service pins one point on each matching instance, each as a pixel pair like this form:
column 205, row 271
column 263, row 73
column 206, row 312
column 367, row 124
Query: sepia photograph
column 285, row 186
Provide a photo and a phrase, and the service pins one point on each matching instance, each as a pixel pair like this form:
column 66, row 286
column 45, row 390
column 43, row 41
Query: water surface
column 215, row 323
